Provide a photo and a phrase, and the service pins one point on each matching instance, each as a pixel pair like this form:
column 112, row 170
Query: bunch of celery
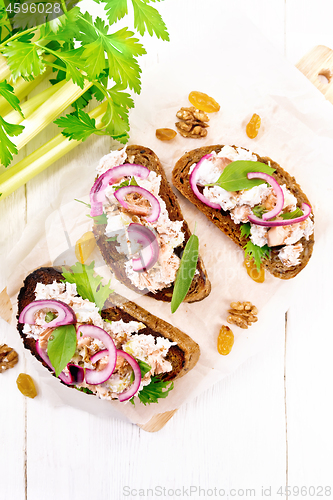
column 84, row 57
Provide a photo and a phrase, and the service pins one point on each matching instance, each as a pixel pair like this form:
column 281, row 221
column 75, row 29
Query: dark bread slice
column 200, row 286
column 182, row 356
column 222, row 219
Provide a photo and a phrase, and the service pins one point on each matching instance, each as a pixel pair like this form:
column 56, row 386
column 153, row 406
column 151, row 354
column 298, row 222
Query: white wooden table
column 262, row 431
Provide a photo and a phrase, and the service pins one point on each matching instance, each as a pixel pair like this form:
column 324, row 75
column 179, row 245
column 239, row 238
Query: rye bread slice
column 182, row 356
column 222, row 219
column 200, row 287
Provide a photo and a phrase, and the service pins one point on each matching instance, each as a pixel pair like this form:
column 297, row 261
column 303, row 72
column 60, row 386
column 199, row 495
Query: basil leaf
column 234, row 176
column 185, row 274
column 61, row 347
column 292, row 215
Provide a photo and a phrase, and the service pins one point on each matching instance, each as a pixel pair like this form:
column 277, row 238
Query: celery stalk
column 49, row 111
column 32, row 104
column 17, row 175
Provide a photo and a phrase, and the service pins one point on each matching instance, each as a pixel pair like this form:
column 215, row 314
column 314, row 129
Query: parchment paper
column 296, row 131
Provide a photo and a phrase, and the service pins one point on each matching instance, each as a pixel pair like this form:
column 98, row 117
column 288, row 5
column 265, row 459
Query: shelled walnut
column 193, row 124
column 8, row 357
column 242, row 314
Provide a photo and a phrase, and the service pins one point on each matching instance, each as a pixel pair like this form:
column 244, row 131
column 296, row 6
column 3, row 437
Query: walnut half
column 242, row 314
column 193, row 124
column 8, row 357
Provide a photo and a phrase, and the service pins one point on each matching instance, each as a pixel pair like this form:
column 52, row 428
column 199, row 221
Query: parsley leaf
column 154, row 391
column 77, row 125
column 234, row 176
column 88, row 286
column 7, row 91
column 292, row 215
column 185, row 273
column 148, row 18
column 61, row 347
column 256, row 253
column 7, row 147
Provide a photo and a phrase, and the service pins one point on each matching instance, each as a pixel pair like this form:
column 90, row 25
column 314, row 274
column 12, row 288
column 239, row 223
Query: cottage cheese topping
column 126, row 336
column 289, row 254
column 169, row 233
column 111, row 160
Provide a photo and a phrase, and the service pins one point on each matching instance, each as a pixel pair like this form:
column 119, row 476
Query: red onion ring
column 134, row 387
column 94, row 377
column 148, row 256
column 286, row 222
column 66, row 315
column 193, row 184
column 75, row 376
column 111, row 176
column 122, row 192
column 277, row 190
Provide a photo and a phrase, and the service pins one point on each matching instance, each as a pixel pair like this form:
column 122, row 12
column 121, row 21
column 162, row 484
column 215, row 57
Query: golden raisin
column 225, row 340
column 252, row 128
column 203, row 102
column 85, row 246
column 251, row 268
column 26, row 385
column 165, row 134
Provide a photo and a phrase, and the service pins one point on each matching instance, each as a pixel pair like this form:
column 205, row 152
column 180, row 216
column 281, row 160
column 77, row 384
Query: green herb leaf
column 61, row 347
column 99, row 220
column 50, row 316
column 7, row 147
column 128, row 182
column 259, row 210
column 144, row 368
column 148, row 18
column 234, row 176
column 258, row 254
column 115, row 10
column 246, row 230
column 7, row 91
column 77, row 125
column 154, row 391
column 292, row 215
column 24, row 59
column 84, row 389
column 88, row 286
column 185, row 273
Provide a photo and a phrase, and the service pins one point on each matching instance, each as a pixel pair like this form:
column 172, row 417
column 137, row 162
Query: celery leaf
column 24, row 59
column 78, row 125
column 7, row 91
column 147, row 18
column 115, row 10
column 7, row 147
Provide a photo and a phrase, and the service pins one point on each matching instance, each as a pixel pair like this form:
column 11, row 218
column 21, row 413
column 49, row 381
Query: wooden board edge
column 157, row 422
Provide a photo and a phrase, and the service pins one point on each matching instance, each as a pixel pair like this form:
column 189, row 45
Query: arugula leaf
column 154, row 391
column 185, row 273
column 77, row 125
column 259, row 210
column 7, row 147
column 292, row 215
column 148, row 18
column 246, row 230
column 24, row 59
column 127, row 182
column 61, row 347
column 99, row 220
column 234, row 176
column 144, row 367
column 7, row 91
column 88, row 286
column 256, row 253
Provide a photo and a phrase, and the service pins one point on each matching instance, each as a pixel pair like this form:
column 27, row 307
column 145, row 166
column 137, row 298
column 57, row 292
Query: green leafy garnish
column 7, row 92
column 50, row 316
column 292, row 215
column 186, row 271
column 7, row 147
column 144, row 368
column 259, row 210
column 88, row 285
column 61, row 347
column 246, row 230
column 256, row 253
column 127, row 182
column 234, row 176
column 99, row 219
column 154, row 391
column 78, row 125
column 84, row 389
column 148, row 18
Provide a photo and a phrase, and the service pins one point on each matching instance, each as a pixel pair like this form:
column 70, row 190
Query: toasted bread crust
column 222, row 219
column 200, row 287
column 183, row 356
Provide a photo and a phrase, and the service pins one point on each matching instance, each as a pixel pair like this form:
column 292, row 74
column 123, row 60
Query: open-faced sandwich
column 97, row 341
column 138, row 225
column 252, row 200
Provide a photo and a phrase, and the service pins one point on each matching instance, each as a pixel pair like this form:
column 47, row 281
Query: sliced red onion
column 284, row 222
column 76, row 373
column 277, row 190
column 94, row 377
column 66, row 315
column 99, row 355
column 134, row 387
column 193, row 184
column 112, row 176
column 148, row 256
column 122, row 192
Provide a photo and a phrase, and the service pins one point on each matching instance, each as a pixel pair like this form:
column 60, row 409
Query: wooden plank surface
column 267, row 425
